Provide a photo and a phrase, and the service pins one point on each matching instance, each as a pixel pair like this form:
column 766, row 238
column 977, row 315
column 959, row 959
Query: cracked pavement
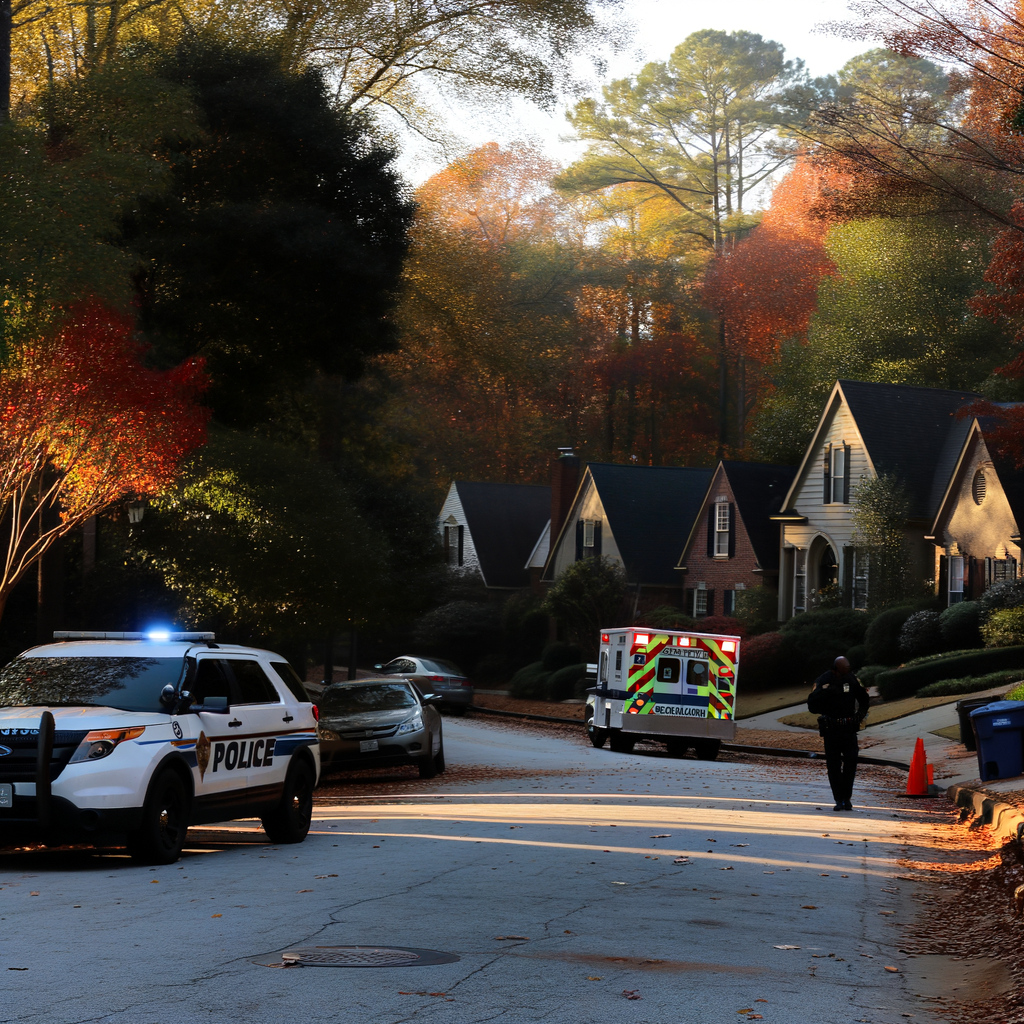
column 559, row 893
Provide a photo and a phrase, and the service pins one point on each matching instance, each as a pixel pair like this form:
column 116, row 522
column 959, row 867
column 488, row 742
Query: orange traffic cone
column 917, row 780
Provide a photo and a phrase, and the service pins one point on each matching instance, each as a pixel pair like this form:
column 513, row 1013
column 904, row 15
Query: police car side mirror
column 168, row 696
column 212, row 705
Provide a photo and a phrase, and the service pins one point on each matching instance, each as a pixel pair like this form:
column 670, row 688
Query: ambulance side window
column 211, row 681
column 618, row 661
column 668, row 670
column 253, row 685
column 697, row 673
column 604, row 667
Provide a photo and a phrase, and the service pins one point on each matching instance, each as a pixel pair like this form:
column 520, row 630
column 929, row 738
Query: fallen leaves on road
column 505, row 938
column 666, row 836
column 17, row 968
column 593, row 977
column 154, row 881
column 632, row 993
column 216, row 915
column 620, row 883
column 729, row 868
column 808, row 906
column 739, row 844
column 305, row 890
column 682, row 860
column 33, row 894
column 787, row 947
column 323, row 876
column 894, row 970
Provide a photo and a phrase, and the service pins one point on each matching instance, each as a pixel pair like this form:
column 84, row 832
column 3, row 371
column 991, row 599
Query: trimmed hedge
column 559, row 655
column 567, row 682
column 883, row 636
column 765, row 661
column 921, row 635
column 530, row 682
column 906, row 681
column 959, row 625
column 1004, row 628
column 815, row 639
column 953, row 687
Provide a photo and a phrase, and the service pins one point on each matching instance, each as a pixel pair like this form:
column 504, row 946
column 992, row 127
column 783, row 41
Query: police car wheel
column 597, row 736
column 160, row 838
column 707, row 750
column 289, row 821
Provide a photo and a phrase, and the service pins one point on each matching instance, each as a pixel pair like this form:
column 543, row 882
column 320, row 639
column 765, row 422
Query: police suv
column 144, row 734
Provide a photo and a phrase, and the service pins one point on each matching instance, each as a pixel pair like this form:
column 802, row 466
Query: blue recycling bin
column 999, row 728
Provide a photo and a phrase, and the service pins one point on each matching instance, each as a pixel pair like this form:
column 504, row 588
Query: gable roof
column 650, row 512
column 759, row 489
column 504, row 521
column 911, row 433
column 1011, row 479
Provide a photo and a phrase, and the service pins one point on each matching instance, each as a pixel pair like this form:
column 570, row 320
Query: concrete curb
column 1005, row 819
column 739, row 748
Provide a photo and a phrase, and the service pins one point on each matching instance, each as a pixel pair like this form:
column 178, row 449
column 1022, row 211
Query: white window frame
column 799, row 580
column 838, row 473
column 956, row 578
column 588, row 532
column 722, row 529
column 700, row 600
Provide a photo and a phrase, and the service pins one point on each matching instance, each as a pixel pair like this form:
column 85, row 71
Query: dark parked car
column 432, row 675
column 369, row 723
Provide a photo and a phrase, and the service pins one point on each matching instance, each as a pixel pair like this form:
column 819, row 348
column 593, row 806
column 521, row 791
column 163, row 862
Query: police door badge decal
column 177, row 729
column 203, row 754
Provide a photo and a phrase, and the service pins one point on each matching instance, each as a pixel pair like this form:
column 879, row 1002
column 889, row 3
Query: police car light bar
column 156, row 634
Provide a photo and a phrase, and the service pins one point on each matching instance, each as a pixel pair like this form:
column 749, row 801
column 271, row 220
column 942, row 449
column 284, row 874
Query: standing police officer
column 841, row 704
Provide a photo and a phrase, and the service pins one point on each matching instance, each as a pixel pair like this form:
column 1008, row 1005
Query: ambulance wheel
column 621, row 743
column 161, row 836
column 707, row 750
column 597, row 736
column 289, row 821
column 677, row 748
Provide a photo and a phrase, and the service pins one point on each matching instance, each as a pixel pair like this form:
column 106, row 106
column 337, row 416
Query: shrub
column 587, row 597
column 530, row 682
column 1017, row 693
column 758, row 610
column 667, row 617
column 952, row 687
column 1004, row 628
column 815, row 639
column 857, row 656
column 491, row 668
column 883, row 636
column 765, row 661
column 524, row 629
column 719, row 624
column 920, row 635
column 460, row 631
column 869, row 674
column 960, row 625
column 563, row 684
column 906, row 681
column 1006, row 594
column 559, row 655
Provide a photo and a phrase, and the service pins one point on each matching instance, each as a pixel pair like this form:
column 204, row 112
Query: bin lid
column 1000, row 707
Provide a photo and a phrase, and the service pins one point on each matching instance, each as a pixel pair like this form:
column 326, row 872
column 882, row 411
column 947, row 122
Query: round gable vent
column 978, row 487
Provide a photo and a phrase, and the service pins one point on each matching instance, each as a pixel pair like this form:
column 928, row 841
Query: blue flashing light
column 159, row 634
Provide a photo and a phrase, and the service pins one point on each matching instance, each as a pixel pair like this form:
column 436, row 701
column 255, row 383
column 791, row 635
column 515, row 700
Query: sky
column 659, row 25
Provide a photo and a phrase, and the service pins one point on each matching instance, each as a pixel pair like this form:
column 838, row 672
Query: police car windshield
column 353, row 700
column 128, row 684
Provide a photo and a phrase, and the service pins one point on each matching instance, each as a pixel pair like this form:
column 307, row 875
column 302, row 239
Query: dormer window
column 722, row 529
column 836, row 467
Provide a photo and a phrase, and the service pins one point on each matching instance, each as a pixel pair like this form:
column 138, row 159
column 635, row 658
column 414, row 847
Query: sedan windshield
column 128, row 684
column 354, row 700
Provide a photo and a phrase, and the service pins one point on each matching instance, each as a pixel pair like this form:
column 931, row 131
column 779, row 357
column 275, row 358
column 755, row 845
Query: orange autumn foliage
column 83, row 424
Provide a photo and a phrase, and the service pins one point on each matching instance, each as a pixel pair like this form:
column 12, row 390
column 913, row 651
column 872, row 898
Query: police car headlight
column 413, row 724
column 101, row 742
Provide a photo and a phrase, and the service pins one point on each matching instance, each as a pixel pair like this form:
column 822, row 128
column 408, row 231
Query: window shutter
column 848, row 576
column 944, row 579
column 447, row 534
column 732, row 529
column 846, row 474
column 711, row 532
column 711, row 602
column 826, row 469
column 988, row 573
column 970, row 574
column 597, row 539
column 579, row 539
column 462, row 542
column 689, row 601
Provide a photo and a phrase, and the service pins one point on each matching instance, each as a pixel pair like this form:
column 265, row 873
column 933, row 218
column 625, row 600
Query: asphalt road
column 547, row 867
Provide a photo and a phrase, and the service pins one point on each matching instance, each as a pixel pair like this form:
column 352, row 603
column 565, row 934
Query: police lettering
column 241, row 755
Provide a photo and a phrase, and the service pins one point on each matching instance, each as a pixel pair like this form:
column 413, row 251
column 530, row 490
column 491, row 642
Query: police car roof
column 132, row 649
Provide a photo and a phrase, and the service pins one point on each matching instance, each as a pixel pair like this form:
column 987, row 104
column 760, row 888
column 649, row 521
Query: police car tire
column 165, row 815
column 439, row 759
column 598, row 737
column 289, row 821
column 707, row 750
column 621, row 743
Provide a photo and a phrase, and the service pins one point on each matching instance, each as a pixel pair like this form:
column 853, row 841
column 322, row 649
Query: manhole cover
column 366, row 956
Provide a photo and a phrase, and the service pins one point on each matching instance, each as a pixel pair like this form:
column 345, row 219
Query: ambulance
column 676, row 687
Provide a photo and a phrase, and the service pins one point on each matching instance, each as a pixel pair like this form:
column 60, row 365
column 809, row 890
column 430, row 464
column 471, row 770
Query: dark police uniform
column 843, row 703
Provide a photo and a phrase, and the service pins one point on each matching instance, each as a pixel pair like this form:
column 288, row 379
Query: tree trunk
column 6, row 25
column 723, row 398
column 741, row 402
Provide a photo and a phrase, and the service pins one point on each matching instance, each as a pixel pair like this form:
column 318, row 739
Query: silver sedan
column 432, row 675
column 370, row 723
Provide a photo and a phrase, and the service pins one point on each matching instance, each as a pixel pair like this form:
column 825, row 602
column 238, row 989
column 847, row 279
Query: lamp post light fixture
column 136, row 512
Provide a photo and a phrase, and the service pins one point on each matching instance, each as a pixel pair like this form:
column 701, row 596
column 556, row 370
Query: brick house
column 976, row 531
column 734, row 543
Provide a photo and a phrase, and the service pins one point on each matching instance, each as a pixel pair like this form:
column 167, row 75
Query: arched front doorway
column 828, row 568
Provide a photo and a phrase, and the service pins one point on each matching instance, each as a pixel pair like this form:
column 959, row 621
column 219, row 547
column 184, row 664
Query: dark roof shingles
column 759, row 489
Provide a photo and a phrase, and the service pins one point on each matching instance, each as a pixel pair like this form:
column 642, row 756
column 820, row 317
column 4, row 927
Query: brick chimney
column 565, row 478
